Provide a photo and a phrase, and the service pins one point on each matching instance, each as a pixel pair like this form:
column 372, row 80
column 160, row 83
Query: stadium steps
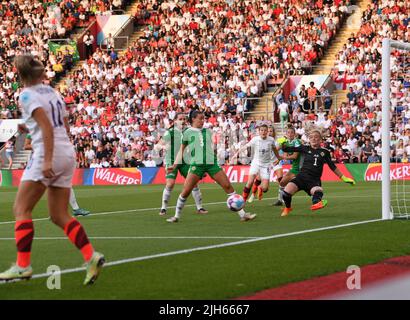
column 20, row 159
column 326, row 64
column 341, row 96
column 132, row 9
column 259, row 111
column 351, row 25
column 77, row 32
column 134, row 37
column 79, row 65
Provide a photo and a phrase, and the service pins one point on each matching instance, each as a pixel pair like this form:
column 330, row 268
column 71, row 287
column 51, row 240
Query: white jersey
column 50, row 100
column 262, row 150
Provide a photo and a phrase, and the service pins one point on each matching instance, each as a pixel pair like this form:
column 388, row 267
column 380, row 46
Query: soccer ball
column 235, row 202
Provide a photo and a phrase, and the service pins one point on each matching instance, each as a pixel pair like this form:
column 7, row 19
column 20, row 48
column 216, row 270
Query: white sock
column 196, row 193
column 180, row 206
column 166, row 195
column 241, row 213
column 280, row 193
column 73, row 200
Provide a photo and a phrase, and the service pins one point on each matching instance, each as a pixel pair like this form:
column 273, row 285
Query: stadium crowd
column 356, row 133
column 212, row 55
column 27, row 26
column 192, row 54
column 354, row 130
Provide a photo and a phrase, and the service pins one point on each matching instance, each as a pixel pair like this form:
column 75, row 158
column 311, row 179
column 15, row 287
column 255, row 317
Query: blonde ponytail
column 29, row 68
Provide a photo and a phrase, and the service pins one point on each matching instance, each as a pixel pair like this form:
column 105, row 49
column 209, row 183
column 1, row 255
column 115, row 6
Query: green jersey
column 201, row 148
column 173, row 138
column 296, row 162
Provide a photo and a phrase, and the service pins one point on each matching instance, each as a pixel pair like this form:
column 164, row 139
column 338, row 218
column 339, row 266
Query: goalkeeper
column 308, row 179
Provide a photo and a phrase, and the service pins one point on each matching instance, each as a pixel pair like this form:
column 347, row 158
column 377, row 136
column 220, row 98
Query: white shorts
column 262, row 171
column 63, row 166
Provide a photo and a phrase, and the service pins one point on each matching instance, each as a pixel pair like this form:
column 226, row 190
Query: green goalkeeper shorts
column 201, row 170
column 183, row 170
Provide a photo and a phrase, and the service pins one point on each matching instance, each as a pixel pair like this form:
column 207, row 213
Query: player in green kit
column 171, row 142
column 289, row 141
column 201, row 156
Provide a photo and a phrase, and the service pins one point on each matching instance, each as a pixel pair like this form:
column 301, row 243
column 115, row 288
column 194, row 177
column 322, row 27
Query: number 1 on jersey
column 57, row 119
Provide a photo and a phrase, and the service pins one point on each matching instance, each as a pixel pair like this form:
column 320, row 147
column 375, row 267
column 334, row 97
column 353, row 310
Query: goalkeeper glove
column 348, row 180
column 282, row 140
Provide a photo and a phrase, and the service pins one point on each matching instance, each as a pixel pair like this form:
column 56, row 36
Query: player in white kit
column 262, row 146
column 77, row 211
column 277, row 169
column 50, row 168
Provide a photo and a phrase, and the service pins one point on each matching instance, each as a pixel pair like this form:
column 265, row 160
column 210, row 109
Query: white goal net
column 395, row 129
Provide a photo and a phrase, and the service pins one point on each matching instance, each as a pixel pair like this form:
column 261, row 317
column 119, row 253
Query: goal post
column 387, row 210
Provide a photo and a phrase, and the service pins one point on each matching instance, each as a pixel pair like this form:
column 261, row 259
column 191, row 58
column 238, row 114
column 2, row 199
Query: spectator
column 88, row 40
column 312, row 93
column 68, row 60
column 136, row 160
column 95, row 164
column 405, row 158
column 149, row 162
column 355, row 153
column 279, row 97
column 10, row 148
column 283, row 114
column 110, row 43
column 367, row 150
column 326, row 98
column 303, row 97
column 295, row 105
column 339, row 155
column 373, row 158
column 105, row 163
column 89, row 155
column 186, row 61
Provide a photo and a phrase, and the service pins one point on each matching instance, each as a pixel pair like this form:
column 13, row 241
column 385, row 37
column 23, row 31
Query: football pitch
column 211, row 256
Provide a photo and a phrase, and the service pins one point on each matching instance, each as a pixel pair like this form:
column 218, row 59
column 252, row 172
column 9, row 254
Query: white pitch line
column 222, row 245
column 132, row 210
column 147, row 187
column 140, row 238
column 127, row 211
column 173, row 207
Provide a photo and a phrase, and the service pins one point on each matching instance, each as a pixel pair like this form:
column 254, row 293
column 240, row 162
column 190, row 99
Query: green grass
column 220, row 273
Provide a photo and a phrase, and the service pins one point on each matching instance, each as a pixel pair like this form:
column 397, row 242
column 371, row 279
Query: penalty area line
column 210, row 247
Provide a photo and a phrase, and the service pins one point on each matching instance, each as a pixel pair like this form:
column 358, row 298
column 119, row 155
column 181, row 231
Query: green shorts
column 200, row 170
column 183, row 170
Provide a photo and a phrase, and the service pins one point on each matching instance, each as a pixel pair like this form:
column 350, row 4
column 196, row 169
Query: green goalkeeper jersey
column 295, row 163
column 201, row 149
